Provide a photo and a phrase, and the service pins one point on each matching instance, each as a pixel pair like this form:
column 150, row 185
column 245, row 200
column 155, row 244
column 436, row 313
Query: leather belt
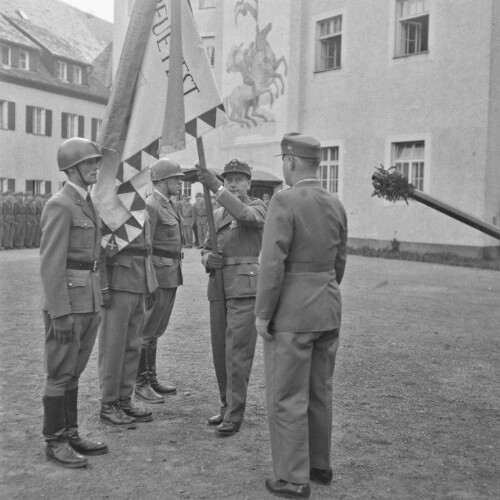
column 229, row 261
column 135, row 252
column 309, row 267
column 168, row 253
column 93, row 265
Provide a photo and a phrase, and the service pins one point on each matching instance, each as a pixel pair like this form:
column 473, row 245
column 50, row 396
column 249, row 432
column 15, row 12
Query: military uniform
column 1, row 220
column 19, row 221
column 239, row 228
column 200, row 219
column 130, row 278
column 302, row 264
column 38, row 215
column 30, row 208
column 166, row 235
column 8, row 221
column 186, row 210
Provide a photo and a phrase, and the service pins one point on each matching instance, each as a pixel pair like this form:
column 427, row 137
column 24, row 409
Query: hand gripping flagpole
column 211, row 226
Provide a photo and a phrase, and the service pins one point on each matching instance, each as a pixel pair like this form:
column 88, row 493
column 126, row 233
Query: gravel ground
column 416, row 400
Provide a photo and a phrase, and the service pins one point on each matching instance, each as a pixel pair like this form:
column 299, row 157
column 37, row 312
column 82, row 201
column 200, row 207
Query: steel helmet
column 165, row 168
column 75, row 150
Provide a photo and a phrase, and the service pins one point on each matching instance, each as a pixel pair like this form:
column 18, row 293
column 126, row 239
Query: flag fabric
column 164, row 94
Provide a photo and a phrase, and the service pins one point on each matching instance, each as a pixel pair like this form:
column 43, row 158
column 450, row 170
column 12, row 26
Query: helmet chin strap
column 77, row 168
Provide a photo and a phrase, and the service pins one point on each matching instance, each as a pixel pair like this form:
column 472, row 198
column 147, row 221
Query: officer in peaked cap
column 166, row 238
column 239, row 224
column 298, row 312
column 71, row 281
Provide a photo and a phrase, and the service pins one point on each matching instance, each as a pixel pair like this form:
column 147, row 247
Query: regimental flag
column 164, row 89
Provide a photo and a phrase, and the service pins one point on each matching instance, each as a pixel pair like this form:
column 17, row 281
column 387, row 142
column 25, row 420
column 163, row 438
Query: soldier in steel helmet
column 239, row 223
column 71, row 302
column 166, row 238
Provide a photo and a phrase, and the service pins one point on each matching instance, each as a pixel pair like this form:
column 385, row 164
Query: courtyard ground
column 416, row 396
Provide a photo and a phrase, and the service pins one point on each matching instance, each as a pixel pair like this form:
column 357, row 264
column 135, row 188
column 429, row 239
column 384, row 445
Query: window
column 413, row 27
column 209, row 42
column 62, row 71
column 24, row 60
column 77, row 75
column 207, row 4
column 6, row 55
column 7, row 115
column 38, row 121
column 7, row 184
column 95, row 129
column 409, row 161
column 72, row 125
column 329, row 43
column 34, row 186
column 329, row 169
column 186, row 189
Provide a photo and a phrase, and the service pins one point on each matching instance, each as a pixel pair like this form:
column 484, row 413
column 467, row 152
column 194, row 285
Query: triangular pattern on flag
column 135, row 162
column 138, row 203
column 125, row 187
column 134, row 223
column 132, row 232
column 128, row 199
column 153, row 148
column 209, row 117
column 192, row 128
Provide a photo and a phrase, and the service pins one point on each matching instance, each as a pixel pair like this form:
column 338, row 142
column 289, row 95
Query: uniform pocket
column 82, row 234
column 246, row 278
column 77, row 292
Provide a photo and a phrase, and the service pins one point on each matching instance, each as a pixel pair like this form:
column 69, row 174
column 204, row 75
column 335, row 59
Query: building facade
column 54, row 78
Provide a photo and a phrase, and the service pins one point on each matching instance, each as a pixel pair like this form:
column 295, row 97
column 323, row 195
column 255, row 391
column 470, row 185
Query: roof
column 11, row 35
column 64, row 32
column 88, row 35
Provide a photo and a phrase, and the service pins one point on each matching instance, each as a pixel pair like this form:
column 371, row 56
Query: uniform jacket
column 239, row 229
column 19, row 211
column 187, row 214
column 133, row 273
column 30, row 211
column 200, row 212
column 305, row 235
column 71, row 230
column 8, row 210
column 166, row 234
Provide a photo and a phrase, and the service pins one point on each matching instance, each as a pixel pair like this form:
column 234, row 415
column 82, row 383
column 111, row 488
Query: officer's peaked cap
column 303, row 146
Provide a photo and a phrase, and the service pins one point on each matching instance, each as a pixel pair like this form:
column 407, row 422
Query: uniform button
column 70, row 284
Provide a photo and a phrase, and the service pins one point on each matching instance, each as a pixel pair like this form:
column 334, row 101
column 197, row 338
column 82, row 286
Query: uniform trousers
column 187, row 234
column 233, row 352
column 157, row 318
column 120, row 338
column 64, row 363
column 8, row 235
column 298, row 372
column 1, row 233
column 201, row 228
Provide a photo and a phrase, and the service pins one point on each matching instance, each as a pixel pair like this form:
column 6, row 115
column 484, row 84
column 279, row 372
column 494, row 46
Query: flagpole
column 211, row 226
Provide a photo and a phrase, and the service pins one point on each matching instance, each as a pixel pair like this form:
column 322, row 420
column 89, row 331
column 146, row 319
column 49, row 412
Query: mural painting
column 263, row 74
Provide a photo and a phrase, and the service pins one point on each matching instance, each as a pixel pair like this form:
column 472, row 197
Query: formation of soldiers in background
column 20, row 219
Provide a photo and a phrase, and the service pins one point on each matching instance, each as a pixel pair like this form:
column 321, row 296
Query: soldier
column 132, row 280
column 19, row 220
column 69, row 265
column 166, row 237
column 200, row 219
column 30, row 208
column 298, row 311
column 239, row 223
column 38, row 214
column 187, row 221
column 8, row 220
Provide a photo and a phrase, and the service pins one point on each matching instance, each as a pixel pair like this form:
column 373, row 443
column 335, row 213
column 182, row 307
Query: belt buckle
column 95, row 265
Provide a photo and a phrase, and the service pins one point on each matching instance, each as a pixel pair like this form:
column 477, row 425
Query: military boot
column 83, row 446
column 139, row 414
column 159, row 388
column 57, row 448
column 143, row 389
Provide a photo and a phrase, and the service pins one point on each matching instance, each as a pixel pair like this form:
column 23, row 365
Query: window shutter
column 29, row 119
column 48, row 122
column 81, row 123
column 48, row 186
column 14, row 55
column 12, row 116
column 70, row 72
column 93, row 132
column 64, row 125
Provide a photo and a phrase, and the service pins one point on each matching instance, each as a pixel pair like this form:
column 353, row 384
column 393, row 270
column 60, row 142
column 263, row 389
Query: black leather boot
column 139, row 414
column 157, row 387
column 112, row 414
column 83, row 446
column 143, row 389
column 57, row 448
